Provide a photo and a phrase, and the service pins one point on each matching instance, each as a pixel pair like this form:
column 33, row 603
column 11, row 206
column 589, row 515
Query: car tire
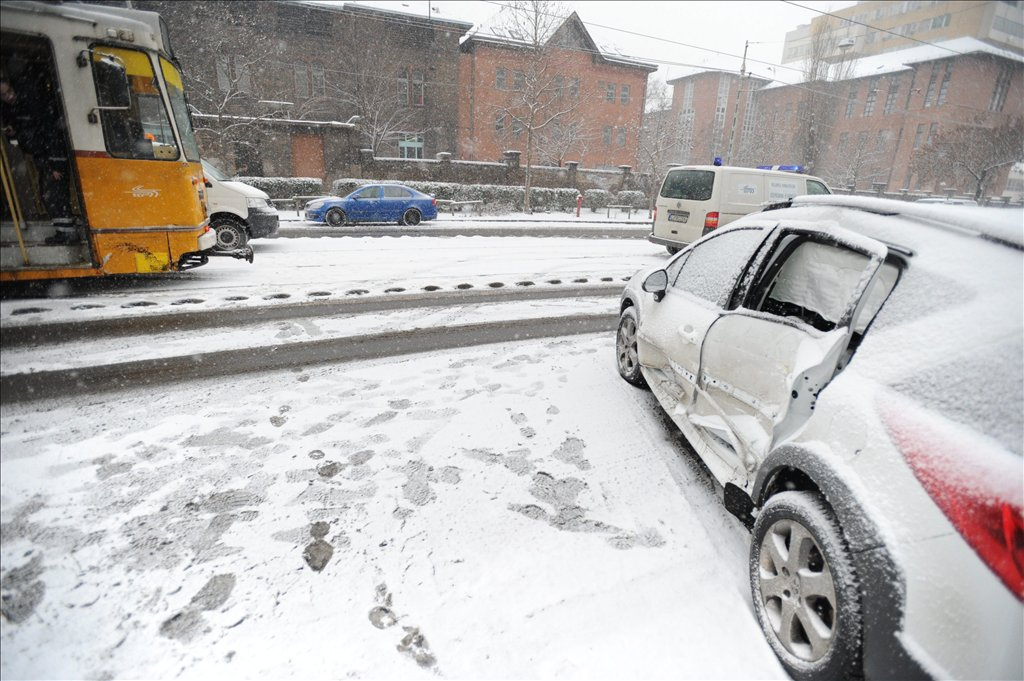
column 230, row 234
column 625, row 348
column 335, row 217
column 411, row 217
column 672, row 250
column 804, row 588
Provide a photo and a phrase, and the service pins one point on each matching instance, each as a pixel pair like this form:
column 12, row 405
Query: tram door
column 43, row 223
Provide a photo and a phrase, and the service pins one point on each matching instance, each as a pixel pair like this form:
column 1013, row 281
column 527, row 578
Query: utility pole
column 736, row 108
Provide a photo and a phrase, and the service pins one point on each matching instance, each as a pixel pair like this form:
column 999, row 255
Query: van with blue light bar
column 694, row 200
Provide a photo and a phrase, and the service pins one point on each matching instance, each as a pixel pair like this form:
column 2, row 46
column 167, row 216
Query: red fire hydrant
column 579, row 204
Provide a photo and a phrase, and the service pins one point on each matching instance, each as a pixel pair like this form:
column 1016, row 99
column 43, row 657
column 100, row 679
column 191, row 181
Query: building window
column 851, row 101
column 607, row 135
column 932, row 130
column 319, row 81
column 609, row 93
column 301, row 81
column 416, row 95
column 941, row 22
column 624, row 94
column 574, row 87
column 233, row 75
column 882, row 144
column 558, row 85
column 410, row 145
column 499, row 124
column 410, row 91
column 518, row 80
column 869, row 103
column 1007, row 25
column 622, row 136
column 930, row 94
column 844, row 139
column 517, row 128
column 1002, row 86
column 919, row 136
column 944, row 88
column 890, row 100
column 501, row 80
column 403, row 86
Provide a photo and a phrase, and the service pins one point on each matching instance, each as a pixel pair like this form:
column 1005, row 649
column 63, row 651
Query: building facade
column 297, row 88
column 571, row 101
column 716, row 112
column 870, row 28
column 879, row 128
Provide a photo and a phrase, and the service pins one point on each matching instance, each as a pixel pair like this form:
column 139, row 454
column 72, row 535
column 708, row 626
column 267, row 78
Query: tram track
column 190, row 362
column 354, row 302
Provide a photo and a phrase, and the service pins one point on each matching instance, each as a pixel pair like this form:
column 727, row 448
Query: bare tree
column 826, row 65
column 226, row 73
column 539, row 101
column 866, row 162
column 660, row 138
column 560, row 139
column 969, row 154
column 368, row 85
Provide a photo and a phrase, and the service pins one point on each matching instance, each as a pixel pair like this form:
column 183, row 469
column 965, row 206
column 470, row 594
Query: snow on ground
column 512, row 511
column 295, row 269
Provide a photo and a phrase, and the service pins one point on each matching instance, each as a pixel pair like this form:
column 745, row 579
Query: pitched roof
column 571, row 34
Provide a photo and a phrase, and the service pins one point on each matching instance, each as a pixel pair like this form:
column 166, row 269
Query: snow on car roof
column 1002, row 224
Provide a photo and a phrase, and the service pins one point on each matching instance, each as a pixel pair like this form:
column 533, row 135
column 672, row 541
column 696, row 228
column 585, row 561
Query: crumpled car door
column 672, row 330
column 762, row 369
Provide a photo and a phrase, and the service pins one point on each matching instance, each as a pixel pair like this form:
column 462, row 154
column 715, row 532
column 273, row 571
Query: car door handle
column 688, row 334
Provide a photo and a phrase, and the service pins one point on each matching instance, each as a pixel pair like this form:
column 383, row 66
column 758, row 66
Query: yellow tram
column 101, row 170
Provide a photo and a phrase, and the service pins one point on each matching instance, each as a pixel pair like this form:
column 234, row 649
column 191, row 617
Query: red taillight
column 655, row 213
column 976, row 485
column 711, row 221
column 433, row 202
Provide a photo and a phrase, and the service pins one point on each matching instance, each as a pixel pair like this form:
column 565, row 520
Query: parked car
column 693, row 200
column 374, row 203
column 238, row 211
column 850, row 371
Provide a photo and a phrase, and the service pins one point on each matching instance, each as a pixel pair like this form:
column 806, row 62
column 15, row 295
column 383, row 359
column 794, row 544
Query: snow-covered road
column 498, row 512
column 503, row 511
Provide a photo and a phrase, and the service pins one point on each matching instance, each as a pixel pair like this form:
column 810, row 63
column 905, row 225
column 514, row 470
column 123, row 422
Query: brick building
column 275, row 90
column 871, row 129
column 715, row 110
column 591, row 103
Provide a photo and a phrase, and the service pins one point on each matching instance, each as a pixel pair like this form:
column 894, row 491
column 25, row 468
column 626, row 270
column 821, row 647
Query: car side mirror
column 656, row 283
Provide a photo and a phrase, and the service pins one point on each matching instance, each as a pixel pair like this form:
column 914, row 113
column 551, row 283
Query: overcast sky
column 681, row 37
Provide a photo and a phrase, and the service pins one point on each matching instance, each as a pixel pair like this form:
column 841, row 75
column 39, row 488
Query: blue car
column 374, row 203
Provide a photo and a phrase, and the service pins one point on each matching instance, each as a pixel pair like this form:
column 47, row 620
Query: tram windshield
column 179, row 107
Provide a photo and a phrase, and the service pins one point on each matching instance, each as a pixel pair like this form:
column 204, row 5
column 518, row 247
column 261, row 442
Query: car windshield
column 325, row 347
column 215, row 172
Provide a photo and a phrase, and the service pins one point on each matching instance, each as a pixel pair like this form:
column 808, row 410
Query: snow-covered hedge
column 631, row 197
column 286, row 187
column 595, row 199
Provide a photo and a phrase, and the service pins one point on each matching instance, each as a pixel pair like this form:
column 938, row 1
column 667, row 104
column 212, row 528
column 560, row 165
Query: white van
column 694, row 200
column 238, row 211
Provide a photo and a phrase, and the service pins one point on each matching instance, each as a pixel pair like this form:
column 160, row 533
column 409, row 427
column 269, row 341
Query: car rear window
column 689, row 185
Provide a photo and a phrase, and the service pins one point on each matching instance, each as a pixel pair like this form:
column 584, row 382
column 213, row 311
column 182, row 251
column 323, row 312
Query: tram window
column 143, row 130
column 179, row 108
